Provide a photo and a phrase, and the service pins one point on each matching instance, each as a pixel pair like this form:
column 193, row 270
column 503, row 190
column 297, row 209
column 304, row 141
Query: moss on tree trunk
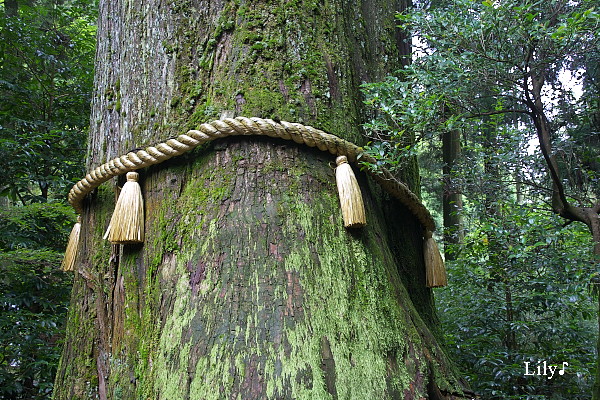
column 248, row 286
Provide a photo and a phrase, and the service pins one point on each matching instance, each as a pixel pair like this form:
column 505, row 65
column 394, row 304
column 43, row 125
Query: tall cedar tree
column 248, row 286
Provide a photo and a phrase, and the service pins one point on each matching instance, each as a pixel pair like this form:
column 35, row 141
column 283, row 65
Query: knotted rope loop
column 127, row 222
column 299, row 133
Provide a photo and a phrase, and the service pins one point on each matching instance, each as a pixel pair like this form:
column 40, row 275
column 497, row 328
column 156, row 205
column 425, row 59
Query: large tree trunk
column 247, row 285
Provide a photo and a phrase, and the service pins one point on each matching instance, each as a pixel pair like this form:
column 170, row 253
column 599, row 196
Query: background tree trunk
column 11, row 8
column 452, row 197
column 247, row 285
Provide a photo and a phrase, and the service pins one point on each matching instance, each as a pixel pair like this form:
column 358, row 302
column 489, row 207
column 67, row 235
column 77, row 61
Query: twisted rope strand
column 207, row 132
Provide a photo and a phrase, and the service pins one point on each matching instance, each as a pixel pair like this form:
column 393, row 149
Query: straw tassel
column 351, row 201
column 68, row 262
column 435, row 270
column 127, row 222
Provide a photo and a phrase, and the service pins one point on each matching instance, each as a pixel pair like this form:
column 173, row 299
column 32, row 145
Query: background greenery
column 521, row 277
column 46, row 76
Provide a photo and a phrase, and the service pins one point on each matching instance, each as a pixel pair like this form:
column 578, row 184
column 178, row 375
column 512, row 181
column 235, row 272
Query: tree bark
column 11, row 8
column 452, row 198
column 247, row 285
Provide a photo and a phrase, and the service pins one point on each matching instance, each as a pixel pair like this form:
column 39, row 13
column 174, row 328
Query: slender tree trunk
column 247, row 285
column 452, row 198
column 11, row 8
column 519, row 187
column 510, row 340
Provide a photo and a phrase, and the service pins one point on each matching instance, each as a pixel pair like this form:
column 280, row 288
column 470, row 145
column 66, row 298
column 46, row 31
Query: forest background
column 486, row 79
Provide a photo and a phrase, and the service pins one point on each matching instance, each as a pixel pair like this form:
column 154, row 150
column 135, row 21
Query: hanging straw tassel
column 127, row 222
column 68, row 262
column 351, row 201
column 435, row 270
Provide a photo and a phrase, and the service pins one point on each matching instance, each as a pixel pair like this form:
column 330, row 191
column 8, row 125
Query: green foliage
column 475, row 60
column 404, row 120
column 34, row 295
column 519, row 292
column 519, row 284
column 46, row 77
column 518, row 287
column 47, row 50
column 484, row 57
column 33, row 302
column 38, row 225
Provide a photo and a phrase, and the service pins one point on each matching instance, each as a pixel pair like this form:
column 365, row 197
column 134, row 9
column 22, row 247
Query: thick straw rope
column 299, row 133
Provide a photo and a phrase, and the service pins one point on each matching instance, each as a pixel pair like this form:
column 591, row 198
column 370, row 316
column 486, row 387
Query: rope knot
column 132, row 176
column 341, row 160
